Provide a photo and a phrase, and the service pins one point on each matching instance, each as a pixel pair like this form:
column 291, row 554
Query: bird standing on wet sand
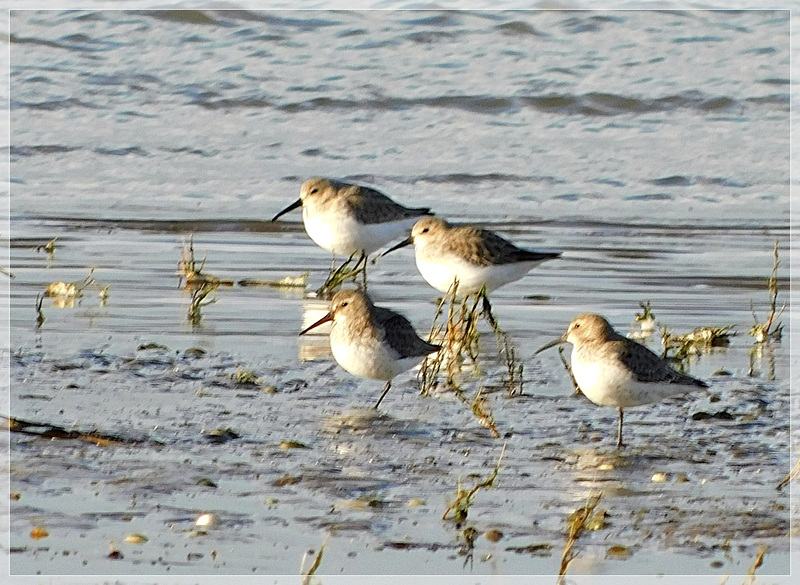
column 612, row 370
column 372, row 342
column 475, row 257
column 350, row 219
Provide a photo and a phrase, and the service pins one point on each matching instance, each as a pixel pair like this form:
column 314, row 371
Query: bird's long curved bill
column 407, row 242
column 292, row 207
column 557, row 341
column 325, row 319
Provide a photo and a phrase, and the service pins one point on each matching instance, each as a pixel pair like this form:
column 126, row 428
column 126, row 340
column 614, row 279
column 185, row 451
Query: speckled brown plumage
column 367, row 205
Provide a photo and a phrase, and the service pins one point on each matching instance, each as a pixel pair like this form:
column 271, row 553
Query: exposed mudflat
column 301, row 454
column 651, row 148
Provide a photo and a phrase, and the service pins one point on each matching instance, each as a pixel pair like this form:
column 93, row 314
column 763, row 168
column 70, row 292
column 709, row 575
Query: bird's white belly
column 607, row 384
column 440, row 273
column 602, row 385
column 342, row 234
column 368, row 358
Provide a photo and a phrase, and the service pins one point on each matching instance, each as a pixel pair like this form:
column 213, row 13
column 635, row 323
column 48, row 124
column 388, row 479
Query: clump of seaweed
column 198, row 301
column 463, row 501
column 460, row 339
column 769, row 330
column 458, row 336
column 762, row 354
column 220, row 435
column 198, row 282
column 346, row 272
column 65, row 293
column 49, row 248
column 192, row 272
column 243, row 377
column 584, row 518
column 72, row 289
column 53, row 432
column 646, row 320
column 569, row 369
column 695, row 342
column 103, row 295
column 467, row 549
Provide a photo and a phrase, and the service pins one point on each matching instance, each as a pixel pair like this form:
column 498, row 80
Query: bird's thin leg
column 361, row 258
column 363, row 270
column 619, row 429
column 333, row 263
column 487, row 310
column 385, row 390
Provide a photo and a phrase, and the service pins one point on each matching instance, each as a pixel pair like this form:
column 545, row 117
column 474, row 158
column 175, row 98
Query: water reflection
column 762, row 355
column 62, row 302
column 598, row 469
column 315, row 344
column 355, row 419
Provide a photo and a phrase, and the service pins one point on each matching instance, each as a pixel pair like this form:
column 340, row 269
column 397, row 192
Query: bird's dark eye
column 426, row 230
column 577, row 325
column 314, row 190
column 344, row 304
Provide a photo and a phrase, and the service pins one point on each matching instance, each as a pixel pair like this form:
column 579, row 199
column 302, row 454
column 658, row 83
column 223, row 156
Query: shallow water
column 650, row 147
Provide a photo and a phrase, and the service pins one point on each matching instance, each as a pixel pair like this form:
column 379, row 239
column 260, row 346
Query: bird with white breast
column 349, row 219
column 612, row 370
column 474, row 257
column 370, row 341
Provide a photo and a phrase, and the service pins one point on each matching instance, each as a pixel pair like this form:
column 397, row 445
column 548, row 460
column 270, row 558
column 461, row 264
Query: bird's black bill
column 407, row 242
column 549, row 344
column 325, row 319
column 292, row 207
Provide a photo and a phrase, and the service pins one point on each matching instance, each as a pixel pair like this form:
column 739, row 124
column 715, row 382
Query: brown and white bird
column 612, row 370
column 350, row 219
column 370, row 341
column 475, row 257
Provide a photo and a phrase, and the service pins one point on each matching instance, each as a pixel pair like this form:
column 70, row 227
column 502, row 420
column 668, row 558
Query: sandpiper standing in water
column 350, row 219
column 475, row 257
column 612, row 370
column 372, row 342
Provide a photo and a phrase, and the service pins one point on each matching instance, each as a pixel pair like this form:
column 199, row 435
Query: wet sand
column 651, row 147
column 693, row 492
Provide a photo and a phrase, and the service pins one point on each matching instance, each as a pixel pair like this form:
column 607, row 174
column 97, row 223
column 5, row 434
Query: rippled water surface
column 650, row 147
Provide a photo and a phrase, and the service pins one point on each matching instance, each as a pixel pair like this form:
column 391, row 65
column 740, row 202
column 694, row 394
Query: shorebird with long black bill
column 612, row 370
column 478, row 259
column 349, row 219
column 370, row 341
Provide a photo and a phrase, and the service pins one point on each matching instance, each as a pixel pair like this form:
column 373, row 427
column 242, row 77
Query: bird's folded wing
column 401, row 336
column 372, row 206
column 646, row 366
